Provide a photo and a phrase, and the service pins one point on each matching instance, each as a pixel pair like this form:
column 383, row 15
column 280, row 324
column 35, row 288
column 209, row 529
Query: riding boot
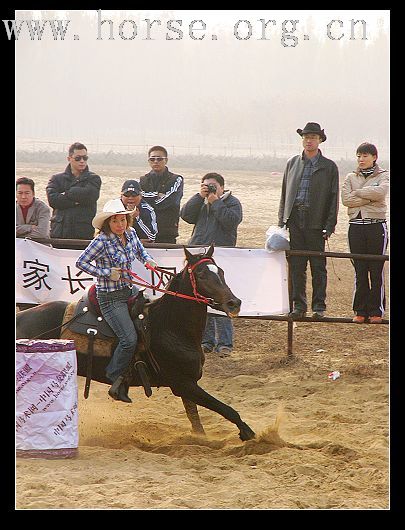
column 123, row 393
column 119, row 390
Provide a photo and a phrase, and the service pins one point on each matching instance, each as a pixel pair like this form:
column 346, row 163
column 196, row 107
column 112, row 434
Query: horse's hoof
column 246, row 433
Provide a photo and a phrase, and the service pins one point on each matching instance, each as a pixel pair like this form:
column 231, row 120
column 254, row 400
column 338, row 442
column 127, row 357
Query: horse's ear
column 210, row 251
column 187, row 254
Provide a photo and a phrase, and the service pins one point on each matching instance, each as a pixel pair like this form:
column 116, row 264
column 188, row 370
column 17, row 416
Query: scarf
column 367, row 172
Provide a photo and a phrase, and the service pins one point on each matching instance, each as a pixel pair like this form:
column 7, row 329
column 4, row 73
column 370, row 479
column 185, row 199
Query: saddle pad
column 103, row 347
column 87, row 319
column 90, row 299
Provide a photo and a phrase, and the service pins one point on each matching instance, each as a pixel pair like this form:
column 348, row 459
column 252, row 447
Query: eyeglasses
column 157, row 158
column 79, row 157
column 130, row 194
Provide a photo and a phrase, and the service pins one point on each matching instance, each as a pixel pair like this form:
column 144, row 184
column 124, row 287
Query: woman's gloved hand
column 115, row 274
column 150, row 263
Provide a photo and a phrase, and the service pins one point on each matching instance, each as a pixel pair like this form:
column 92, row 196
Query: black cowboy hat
column 312, row 128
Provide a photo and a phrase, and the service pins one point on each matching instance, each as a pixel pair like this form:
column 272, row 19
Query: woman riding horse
column 112, row 251
column 174, row 328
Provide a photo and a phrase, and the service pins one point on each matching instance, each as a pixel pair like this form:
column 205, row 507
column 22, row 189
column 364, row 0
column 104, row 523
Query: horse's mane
column 175, row 281
column 173, row 285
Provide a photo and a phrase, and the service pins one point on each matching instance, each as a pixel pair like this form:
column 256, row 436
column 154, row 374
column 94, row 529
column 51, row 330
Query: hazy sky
column 203, row 77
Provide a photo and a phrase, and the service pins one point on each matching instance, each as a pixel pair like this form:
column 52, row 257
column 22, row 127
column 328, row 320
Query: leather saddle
column 87, row 317
column 88, row 320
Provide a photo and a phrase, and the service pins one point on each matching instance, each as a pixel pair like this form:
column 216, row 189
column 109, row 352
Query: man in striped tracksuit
column 163, row 190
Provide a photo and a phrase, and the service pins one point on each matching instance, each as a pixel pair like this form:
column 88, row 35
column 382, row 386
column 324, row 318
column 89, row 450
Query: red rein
column 190, row 269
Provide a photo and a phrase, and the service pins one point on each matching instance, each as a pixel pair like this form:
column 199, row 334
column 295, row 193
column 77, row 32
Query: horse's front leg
column 192, row 414
column 192, row 392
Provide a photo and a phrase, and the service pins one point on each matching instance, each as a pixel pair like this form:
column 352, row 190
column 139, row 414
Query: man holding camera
column 216, row 214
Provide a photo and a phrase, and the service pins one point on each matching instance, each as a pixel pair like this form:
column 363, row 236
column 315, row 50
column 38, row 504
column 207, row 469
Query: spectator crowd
column 148, row 211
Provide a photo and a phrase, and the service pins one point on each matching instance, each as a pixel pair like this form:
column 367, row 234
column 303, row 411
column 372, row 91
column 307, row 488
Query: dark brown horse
column 174, row 325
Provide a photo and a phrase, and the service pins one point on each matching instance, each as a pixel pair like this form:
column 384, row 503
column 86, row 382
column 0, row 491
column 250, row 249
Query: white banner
column 257, row 277
column 46, row 395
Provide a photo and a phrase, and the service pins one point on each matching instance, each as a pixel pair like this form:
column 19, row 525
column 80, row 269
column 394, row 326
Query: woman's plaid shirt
column 107, row 251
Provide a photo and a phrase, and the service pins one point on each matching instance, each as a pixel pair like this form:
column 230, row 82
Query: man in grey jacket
column 216, row 214
column 32, row 214
column 309, row 207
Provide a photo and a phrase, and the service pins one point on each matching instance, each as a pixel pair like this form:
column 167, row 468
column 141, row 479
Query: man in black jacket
column 163, row 190
column 73, row 195
column 308, row 206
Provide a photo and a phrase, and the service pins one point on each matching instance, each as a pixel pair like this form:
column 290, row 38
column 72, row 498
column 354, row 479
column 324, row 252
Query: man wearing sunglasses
column 163, row 190
column 73, row 195
column 144, row 220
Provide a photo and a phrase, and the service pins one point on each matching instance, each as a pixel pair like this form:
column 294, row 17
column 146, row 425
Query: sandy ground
column 320, row 444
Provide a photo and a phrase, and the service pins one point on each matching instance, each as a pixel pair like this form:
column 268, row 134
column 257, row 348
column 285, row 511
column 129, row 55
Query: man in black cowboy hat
column 309, row 206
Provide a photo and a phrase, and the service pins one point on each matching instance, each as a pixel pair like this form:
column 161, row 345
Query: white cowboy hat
column 111, row 207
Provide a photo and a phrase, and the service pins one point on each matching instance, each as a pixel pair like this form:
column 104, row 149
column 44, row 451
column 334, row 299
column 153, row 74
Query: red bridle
column 190, row 269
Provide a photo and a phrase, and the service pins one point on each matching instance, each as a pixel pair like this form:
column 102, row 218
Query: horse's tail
column 44, row 320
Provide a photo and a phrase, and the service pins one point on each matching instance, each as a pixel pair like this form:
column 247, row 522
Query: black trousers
column 369, row 290
column 302, row 238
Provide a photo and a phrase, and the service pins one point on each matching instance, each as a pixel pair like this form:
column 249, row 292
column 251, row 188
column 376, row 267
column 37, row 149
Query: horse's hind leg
column 193, row 416
column 192, row 392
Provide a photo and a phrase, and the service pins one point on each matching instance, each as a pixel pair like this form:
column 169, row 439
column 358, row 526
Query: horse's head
column 210, row 282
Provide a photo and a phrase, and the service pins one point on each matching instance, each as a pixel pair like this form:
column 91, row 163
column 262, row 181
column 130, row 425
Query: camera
column 212, row 188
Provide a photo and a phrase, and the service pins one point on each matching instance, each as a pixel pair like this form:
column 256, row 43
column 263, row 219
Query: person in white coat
column 364, row 192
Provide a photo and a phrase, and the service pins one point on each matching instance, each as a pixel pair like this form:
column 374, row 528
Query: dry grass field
column 320, row 444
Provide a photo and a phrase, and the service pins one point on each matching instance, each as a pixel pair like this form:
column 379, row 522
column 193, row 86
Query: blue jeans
column 218, row 332
column 114, row 309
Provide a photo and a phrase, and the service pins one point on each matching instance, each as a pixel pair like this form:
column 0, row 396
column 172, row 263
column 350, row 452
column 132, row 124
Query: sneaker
column 318, row 314
column 359, row 319
column 207, row 348
column 224, row 351
column 375, row 319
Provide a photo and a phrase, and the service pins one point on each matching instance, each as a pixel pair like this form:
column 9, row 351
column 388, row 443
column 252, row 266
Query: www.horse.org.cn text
column 289, row 32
